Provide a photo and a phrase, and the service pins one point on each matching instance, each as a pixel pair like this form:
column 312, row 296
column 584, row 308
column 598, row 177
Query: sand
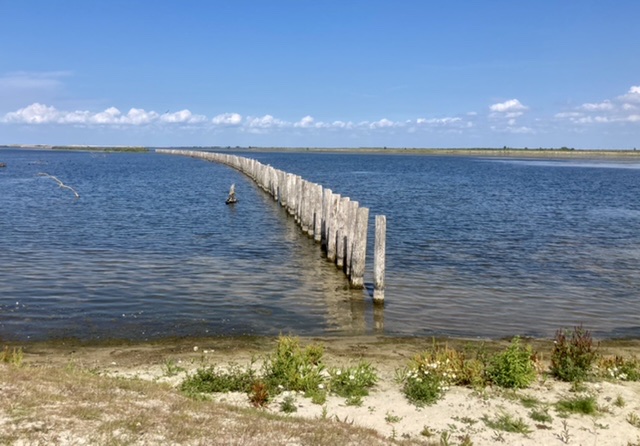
column 461, row 413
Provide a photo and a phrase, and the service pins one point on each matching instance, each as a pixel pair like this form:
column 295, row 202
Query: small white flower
column 351, row 377
column 339, row 372
column 320, row 386
column 195, row 349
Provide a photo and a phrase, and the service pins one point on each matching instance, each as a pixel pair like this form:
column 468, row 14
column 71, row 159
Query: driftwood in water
column 60, row 183
column 232, row 195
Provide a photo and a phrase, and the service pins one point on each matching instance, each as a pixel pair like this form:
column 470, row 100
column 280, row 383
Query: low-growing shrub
column 505, row 422
column 353, row 381
column 473, row 373
column 212, row 379
column 541, row 416
column 12, row 355
column 585, row 405
column 430, row 374
column 513, row 368
column 291, row 367
column 617, row 367
column 573, row 355
column 288, row 404
column 259, row 394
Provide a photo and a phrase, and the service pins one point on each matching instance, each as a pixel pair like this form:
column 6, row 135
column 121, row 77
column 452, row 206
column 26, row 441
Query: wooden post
column 379, row 259
column 359, row 248
column 326, row 202
column 341, row 234
column 305, row 206
column 352, row 212
column 332, row 228
column 317, row 213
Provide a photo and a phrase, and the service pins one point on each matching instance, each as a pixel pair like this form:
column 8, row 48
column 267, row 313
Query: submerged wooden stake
column 379, row 259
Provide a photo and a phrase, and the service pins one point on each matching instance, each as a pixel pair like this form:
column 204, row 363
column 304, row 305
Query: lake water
column 475, row 247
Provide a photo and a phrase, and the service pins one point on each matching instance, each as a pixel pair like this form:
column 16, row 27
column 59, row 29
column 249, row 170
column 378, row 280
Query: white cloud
column 267, row 122
column 568, row 115
column 306, row 122
column 619, row 110
column 342, row 125
column 383, row 123
column 33, row 114
column 602, row 106
column 138, row 116
column 228, row 119
column 633, row 95
column 183, row 117
column 510, row 106
column 37, row 113
column 513, row 129
column 439, row 122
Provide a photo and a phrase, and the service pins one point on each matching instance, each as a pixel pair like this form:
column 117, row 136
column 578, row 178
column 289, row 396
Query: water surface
column 475, row 247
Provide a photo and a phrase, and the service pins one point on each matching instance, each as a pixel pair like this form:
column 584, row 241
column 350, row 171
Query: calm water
column 475, row 247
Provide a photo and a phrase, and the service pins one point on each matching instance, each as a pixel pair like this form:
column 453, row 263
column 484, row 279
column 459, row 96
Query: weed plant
column 633, row 419
column 573, row 355
column 291, row 367
column 505, row 422
column 350, row 382
column 288, row 404
column 171, row 368
column 12, row 356
column 430, row 374
column 513, row 368
column 541, row 415
column 212, row 379
column 618, row 368
column 584, row 405
column 259, row 394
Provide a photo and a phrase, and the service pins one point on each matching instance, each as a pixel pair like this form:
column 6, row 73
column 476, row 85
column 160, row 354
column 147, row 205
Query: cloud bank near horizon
column 500, row 117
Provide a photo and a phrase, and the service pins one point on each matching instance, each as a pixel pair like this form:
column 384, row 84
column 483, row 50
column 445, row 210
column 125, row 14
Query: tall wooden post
column 332, row 228
column 341, row 232
column 359, row 248
column 379, row 259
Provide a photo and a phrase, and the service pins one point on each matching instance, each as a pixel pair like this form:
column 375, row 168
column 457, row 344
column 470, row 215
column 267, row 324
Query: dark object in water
column 3, row 164
column 232, row 195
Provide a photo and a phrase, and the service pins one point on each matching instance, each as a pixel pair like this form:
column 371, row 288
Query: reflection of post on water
column 346, row 307
column 378, row 318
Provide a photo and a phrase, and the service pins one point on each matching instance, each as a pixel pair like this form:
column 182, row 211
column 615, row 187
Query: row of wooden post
column 339, row 224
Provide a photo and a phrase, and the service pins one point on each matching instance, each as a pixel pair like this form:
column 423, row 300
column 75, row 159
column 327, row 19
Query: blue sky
column 321, row 73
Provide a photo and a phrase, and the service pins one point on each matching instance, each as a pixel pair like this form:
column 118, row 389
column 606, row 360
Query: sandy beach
column 463, row 416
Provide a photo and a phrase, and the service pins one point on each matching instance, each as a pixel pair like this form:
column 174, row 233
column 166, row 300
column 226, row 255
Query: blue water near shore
column 475, row 247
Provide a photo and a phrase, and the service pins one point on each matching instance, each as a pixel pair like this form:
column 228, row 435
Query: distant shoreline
column 497, row 153
column 489, row 152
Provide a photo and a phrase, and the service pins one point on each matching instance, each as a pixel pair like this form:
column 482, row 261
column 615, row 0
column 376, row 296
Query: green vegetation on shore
column 174, row 392
column 101, row 149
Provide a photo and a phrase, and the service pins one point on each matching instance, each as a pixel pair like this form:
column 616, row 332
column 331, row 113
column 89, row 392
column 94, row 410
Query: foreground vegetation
column 523, row 391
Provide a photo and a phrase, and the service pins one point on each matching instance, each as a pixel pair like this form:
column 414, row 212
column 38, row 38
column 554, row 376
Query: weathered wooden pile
column 338, row 223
